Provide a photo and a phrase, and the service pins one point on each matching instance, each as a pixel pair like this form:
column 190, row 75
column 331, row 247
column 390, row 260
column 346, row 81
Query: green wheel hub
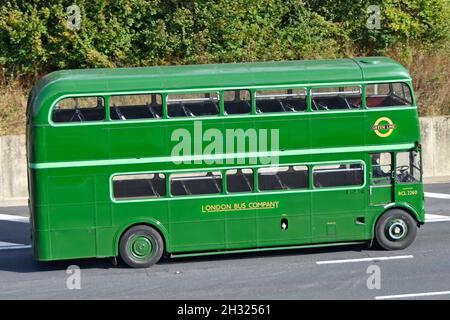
column 140, row 247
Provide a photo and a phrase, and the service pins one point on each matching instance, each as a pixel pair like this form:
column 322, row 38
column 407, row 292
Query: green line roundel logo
column 384, row 127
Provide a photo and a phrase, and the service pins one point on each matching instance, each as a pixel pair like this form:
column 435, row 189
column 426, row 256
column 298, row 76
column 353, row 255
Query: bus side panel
column 75, row 142
column 336, row 130
column 192, row 229
column 290, row 209
column 406, row 126
column 335, row 214
column 130, row 212
column 72, row 214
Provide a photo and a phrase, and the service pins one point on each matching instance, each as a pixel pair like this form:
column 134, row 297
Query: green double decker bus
column 222, row 158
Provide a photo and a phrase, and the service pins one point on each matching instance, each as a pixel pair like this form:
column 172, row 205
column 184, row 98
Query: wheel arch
column 402, row 206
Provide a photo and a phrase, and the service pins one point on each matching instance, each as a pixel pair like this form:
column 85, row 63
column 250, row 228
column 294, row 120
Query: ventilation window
column 388, row 95
column 193, row 104
column 237, row 102
column 130, row 107
column 283, row 100
column 342, row 98
column 79, row 109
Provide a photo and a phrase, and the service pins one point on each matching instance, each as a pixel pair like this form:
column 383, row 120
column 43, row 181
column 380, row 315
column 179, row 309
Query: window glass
column 381, row 168
column 336, row 98
column 79, row 109
column 139, row 186
column 283, row 100
column 193, row 104
column 283, row 178
column 237, row 102
column 240, row 180
column 136, row 107
column 387, row 95
column 408, row 167
column 338, row 175
column 196, row 183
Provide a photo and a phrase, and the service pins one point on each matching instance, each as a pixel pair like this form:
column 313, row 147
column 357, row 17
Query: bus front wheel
column 395, row 230
column 141, row 246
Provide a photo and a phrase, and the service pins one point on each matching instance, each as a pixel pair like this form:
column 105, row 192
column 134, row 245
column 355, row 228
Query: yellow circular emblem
column 383, row 124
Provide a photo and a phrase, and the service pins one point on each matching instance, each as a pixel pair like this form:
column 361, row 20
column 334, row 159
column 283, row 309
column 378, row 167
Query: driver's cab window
column 381, row 168
column 408, row 168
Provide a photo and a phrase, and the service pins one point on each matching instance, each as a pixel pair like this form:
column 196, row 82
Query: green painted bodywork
column 70, row 166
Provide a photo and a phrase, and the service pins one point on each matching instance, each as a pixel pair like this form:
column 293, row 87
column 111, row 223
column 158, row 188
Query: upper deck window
column 336, row 98
column 136, row 106
column 283, row 100
column 193, row 104
column 237, row 102
column 79, row 110
column 388, row 95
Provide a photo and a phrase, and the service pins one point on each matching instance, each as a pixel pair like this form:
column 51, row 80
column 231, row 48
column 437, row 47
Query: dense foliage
column 35, row 37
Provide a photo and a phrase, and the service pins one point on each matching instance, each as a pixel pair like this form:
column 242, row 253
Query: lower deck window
column 139, row 186
column 283, row 178
column 339, row 175
column 196, row 183
column 240, row 180
column 381, row 168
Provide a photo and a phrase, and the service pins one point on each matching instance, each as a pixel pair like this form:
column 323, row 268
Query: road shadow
column 273, row 253
column 22, row 260
column 15, row 232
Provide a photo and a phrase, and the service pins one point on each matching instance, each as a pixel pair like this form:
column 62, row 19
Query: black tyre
column 141, row 246
column 395, row 230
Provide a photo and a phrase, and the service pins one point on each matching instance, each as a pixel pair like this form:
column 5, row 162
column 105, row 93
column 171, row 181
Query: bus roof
column 230, row 75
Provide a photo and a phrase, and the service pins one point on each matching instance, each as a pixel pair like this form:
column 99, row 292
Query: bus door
column 381, row 178
column 408, row 175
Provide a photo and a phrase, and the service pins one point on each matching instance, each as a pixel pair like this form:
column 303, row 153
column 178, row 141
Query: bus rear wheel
column 141, row 246
column 395, row 230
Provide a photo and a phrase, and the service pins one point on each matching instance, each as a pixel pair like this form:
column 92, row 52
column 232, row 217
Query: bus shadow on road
column 15, row 232
column 306, row 252
column 22, row 260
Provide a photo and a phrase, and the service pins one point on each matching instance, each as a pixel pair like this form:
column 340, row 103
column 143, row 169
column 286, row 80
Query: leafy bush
column 35, row 38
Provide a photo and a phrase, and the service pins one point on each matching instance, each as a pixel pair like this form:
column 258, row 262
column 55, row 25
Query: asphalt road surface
column 422, row 271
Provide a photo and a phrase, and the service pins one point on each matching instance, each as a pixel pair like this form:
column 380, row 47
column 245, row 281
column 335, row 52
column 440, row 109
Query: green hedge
column 34, row 37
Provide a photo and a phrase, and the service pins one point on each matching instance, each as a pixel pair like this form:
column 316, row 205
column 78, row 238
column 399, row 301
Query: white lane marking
column 436, row 218
column 10, row 217
column 437, row 195
column 364, row 259
column 13, row 246
column 412, row 295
